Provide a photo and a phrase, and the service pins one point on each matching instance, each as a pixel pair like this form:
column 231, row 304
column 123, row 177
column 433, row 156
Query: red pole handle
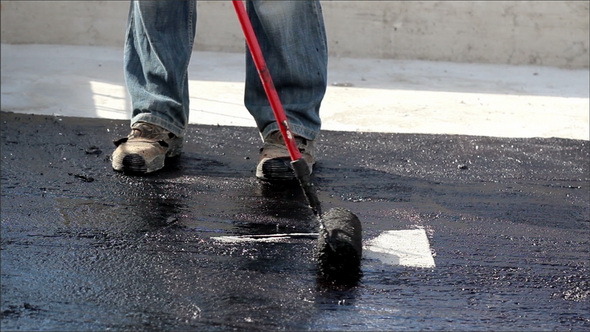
column 266, row 79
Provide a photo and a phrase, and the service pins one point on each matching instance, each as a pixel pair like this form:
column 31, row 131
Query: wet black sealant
column 85, row 248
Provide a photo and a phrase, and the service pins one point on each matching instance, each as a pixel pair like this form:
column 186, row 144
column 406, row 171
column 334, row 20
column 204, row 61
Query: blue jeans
column 291, row 34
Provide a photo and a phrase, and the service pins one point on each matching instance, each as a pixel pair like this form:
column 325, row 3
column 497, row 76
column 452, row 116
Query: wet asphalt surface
column 84, row 248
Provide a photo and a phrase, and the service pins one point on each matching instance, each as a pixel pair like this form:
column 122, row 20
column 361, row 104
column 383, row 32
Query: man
column 159, row 44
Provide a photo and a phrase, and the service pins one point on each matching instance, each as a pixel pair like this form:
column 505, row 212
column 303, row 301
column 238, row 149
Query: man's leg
column 293, row 41
column 158, row 47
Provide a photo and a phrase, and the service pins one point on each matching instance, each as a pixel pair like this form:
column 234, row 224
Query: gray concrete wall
column 550, row 33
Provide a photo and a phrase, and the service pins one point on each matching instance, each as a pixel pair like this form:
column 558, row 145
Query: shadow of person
column 276, row 207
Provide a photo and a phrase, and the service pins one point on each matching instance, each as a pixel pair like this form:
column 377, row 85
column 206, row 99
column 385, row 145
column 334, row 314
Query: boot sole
column 136, row 164
column 277, row 169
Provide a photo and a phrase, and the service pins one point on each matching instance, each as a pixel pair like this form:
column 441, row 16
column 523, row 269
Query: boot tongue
column 136, row 132
column 145, row 130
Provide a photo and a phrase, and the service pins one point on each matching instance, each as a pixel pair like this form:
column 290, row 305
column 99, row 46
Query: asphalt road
column 84, row 248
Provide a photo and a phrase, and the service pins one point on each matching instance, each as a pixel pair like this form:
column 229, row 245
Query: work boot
column 275, row 163
column 145, row 149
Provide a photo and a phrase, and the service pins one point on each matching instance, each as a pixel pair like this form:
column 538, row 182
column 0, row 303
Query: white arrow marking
column 404, row 247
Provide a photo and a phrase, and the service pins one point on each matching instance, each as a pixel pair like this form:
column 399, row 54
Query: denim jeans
column 291, row 34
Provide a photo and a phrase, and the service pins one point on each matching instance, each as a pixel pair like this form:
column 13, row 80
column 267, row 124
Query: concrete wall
column 551, row 33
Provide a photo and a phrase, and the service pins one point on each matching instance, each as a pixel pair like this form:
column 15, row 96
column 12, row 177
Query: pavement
column 461, row 231
column 365, row 95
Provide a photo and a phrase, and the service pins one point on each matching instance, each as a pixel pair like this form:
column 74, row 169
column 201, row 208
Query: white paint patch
column 402, row 247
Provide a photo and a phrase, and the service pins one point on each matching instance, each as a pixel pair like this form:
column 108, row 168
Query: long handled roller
column 339, row 247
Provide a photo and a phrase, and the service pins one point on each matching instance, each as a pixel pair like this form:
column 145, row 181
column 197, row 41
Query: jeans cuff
column 158, row 121
column 296, row 129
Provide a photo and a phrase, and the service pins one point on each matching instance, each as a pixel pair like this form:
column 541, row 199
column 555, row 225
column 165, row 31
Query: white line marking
column 403, row 247
column 264, row 237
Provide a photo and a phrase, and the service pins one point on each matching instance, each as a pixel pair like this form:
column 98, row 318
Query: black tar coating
column 86, row 249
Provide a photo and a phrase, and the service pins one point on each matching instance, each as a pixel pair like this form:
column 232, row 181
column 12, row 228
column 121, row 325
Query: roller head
column 339, row 248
